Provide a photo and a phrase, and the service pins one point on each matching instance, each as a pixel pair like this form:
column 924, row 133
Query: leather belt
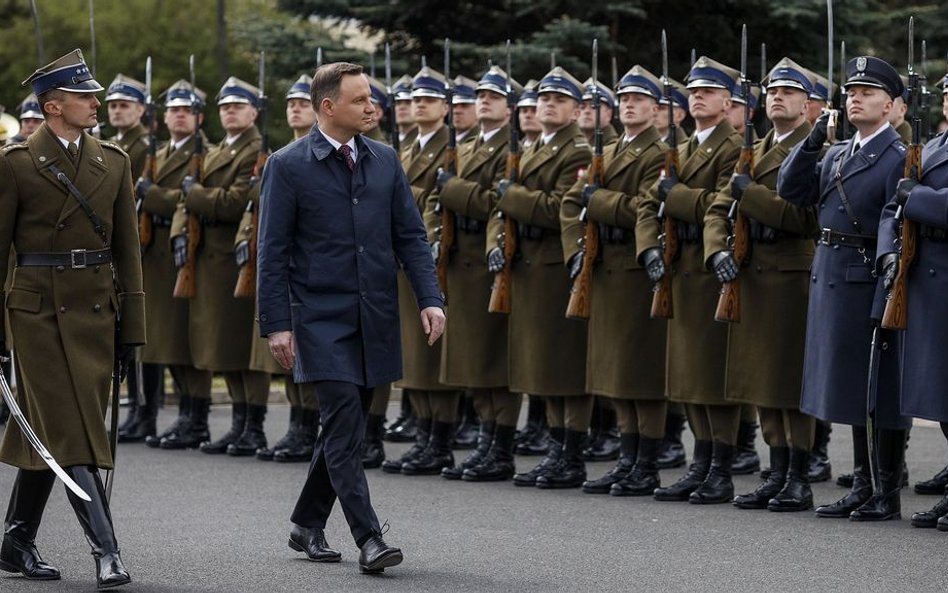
column 76, row 259
column 831, row 237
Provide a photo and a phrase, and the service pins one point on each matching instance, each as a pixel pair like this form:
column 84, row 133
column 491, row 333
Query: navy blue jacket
column 329, row 245
column 925, row 341
column 845, row 295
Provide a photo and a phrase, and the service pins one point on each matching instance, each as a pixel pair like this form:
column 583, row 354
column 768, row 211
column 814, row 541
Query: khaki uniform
column 64, row 319
column 135, row 143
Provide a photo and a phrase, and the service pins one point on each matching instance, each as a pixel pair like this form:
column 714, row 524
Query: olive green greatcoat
column 63, row 319
column 135, row 143
column 765, row 350
column 697, row 344
column 421, row 363
column 167, row 317
column 221, row 326
column 376, row 133
column 547, row 352
column 474, row 345
column 626, row 348
column 904, row 130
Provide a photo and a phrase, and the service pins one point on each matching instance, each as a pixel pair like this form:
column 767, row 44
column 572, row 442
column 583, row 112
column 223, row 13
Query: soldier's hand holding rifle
column 818, row 134
column 725, row 267
column 902, row 191
column 495, row 259
column 654, row 266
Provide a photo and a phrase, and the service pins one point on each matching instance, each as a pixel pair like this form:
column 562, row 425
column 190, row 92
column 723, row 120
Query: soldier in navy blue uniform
column 923, row 349
column 851, row 184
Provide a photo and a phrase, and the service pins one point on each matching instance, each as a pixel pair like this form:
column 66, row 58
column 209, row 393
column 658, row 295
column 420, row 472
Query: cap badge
column 861, row 64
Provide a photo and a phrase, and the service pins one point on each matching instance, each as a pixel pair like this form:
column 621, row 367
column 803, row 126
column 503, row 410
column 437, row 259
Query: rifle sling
column 97, row 223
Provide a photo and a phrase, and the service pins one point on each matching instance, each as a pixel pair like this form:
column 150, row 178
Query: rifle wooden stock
column 500, row 290
column 729, row 301
column 184, row 285
column 146, row 232
column 448, row 229
column 662, row 299
column 895, row 315
column 247, row 278
column 580, row 297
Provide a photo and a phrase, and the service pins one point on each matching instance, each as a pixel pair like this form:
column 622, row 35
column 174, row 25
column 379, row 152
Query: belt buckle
column 77, row 259
column 826, row 236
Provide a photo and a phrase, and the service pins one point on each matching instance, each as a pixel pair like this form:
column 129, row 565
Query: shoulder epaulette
column 111, row 145
column 581, row 144
column 12, row 147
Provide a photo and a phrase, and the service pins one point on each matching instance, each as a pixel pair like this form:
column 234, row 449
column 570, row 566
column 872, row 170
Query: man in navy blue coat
column 852, row 184
column 337, row 217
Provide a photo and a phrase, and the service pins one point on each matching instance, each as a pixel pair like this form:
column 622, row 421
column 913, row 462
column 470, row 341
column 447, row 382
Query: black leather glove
column 725, row 266
column 903, row 190
column 241, row 253
column 141, row 188
column 125, row 357
column 502, row 186
column 443, row 178
column 739, row 184
column 179, row 245
column 890, row 268
column 665, row 186
column 436, row 251
column 818, row 134
column 588, row 190
column 187, row 183
column 654, row 265
column 575, row 265
column 496, row 260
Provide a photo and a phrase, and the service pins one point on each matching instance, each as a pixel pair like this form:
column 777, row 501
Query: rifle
column 247, row 278
column 834, row 113
column 579, row 294
column 184, row 285
column 662, row 302
column 145, row 228
column 500, row 291
column 729, row 302
column 896, row 304
column 764, row 122
column 924, row 97
column 38, row 32
column 842, row 76
column 392, row 124
column 447, row 230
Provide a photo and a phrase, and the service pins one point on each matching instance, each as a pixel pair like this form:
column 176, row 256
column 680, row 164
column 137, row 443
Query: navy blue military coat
column 924, row 368
column 845, row 295
column 328, row 243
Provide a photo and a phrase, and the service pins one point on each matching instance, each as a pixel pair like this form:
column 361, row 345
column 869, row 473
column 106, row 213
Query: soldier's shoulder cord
column 11, row 147
column 113, row 146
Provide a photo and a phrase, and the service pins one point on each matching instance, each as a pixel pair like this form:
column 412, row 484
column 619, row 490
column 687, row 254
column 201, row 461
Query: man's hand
column 725, row 266
column 187, row 183
column 283, row 348
column 141, row 188
column 436, row 251
column 496, row 260
column 818, row 134
column 739, row 184
column 242, row 253
column 502, row 186
column 665, row 186
column 588, row 190
column 654, row 265
column 432, row 322
column 179, row 245
column 125, row 357
column 890, row 269
column 903, row 190
column 575, row 265
column 443, row 178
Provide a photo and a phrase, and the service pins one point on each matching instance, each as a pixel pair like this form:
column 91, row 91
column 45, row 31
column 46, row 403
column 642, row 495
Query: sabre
column 831, row 123
column 35, row 442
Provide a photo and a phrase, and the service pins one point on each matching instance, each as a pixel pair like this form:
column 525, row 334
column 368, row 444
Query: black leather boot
column 694, row 477
column 373, row 451
column 436, row 456
column 18, row 552
column 498, row 464
column 468, row 428
column 131, row 415
column 820, row 469
column 238, row 419
column 4, row 413
column 292, row 433
column 422, row 436
column 484, row 439
column 643, row 479
column 312, row 541
column 758, row 499
column 862, row 484
column 404, row 428
column 606, row 446
column 746, row 459
column 795, row 494
column 252, row 438
column 672, row 453
column 570, row 470
column 629, row 449
column 934, row 486
column 717, row 488
column 931, row 518
column 184, row 412
column 552, row 457
column 301, row 449
column 193, row 432
column 886, row 503
column 96, row 521
column 534, row 439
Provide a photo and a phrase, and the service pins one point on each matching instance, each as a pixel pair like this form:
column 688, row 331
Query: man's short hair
column 50, row 95
column 327, row 80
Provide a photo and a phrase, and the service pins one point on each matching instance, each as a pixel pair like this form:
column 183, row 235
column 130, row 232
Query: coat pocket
column 859, row 273
column 24, row 300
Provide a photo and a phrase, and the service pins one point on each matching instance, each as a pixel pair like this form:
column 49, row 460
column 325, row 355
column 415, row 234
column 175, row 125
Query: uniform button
column 822, row 206
column 831, row 284
column 841, row 208
column 836, row 247
column 526, row 261
column 97, row 307
column 361, row 248
column 814, row 279
column 263, row 317
column 355, row 200
column 931, row 271
column 362, row 294
column 60, row 226
column 60, row 268
column 62, row 309
column 760, row 269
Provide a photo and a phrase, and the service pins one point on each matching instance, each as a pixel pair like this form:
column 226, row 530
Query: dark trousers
column 336, row 468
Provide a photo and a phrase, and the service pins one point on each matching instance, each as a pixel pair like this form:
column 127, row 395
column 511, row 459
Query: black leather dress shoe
column 312, row 541
column 376, row 556
column 22, row 557
column 934, row 486
column 931, row 518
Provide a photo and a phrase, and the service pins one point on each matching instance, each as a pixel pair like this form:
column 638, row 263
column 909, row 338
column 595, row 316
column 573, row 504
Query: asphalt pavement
column 187, row 521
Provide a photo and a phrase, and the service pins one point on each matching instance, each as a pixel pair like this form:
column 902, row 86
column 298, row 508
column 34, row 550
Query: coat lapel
column 485, row 151
column 535, row 160
column 427, row 155
column 224, row 154
column 625, row 157
column 769, row 161
column 91, row 173
column 700, row 157
column 167, row 165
